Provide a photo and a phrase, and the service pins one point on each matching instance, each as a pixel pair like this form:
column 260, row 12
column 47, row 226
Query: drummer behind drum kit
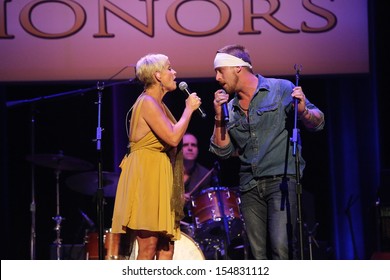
column 217, row 230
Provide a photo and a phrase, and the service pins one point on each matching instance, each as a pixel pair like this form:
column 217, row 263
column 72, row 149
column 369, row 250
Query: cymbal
column 87, row 183
column 60, row 162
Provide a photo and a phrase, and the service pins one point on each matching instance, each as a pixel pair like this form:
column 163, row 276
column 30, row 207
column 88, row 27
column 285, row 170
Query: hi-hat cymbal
column 60, row 162
column 87, row 183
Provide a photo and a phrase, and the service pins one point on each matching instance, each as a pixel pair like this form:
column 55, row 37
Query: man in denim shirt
column 259, row 131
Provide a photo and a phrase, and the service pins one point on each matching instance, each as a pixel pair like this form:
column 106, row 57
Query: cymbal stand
column 312, row 239
column 58, row 219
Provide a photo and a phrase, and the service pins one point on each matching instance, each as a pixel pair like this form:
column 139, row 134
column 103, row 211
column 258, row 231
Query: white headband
column 224, row 59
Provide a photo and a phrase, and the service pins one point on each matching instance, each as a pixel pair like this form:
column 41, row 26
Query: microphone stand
column 33, row 204
column 295, row 138
column 100, row 192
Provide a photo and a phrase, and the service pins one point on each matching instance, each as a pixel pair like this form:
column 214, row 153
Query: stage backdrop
column 88, row 40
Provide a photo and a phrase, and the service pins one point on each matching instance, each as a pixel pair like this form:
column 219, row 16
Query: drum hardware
column 59, row 162
column 88, row 220
column 187, row 228
column 311, row 238
column 213, row 247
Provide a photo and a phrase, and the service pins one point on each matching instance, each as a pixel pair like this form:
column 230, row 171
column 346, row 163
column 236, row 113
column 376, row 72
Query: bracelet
column 215, row 118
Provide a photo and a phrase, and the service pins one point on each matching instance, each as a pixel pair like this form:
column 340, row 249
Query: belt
column 275, row 177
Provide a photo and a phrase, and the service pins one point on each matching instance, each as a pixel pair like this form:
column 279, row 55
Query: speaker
column 68, row 252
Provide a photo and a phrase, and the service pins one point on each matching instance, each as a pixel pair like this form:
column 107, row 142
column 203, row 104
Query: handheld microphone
column 225, row 112
column 184, row 87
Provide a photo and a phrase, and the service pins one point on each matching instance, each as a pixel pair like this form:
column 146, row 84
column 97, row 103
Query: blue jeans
column 269, row 211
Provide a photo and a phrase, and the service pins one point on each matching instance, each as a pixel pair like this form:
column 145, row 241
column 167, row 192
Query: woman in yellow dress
column 149, row 198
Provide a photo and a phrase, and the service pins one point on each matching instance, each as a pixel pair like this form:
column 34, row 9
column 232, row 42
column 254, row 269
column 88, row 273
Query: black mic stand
column 100, row 192
column 33, row 204
column 295, row 138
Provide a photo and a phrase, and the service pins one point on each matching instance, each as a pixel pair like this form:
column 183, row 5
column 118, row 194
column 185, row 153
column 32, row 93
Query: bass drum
column 185, row 249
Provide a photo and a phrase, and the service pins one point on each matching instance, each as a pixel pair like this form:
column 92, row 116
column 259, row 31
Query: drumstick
column 201, row 181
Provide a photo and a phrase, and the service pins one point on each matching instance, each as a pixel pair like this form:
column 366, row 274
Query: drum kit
column 217, row 230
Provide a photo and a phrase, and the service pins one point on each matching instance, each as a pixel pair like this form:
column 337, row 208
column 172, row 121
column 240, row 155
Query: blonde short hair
column 148, row 65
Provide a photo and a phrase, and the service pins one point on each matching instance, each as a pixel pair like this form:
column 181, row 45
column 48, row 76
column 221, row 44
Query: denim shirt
column 263, row 140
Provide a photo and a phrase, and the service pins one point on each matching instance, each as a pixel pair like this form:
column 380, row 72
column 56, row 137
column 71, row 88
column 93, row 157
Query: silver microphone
column 184, row 87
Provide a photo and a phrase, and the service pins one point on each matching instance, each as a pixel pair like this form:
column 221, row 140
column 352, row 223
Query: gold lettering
column 105, row 5
column 25, row 19
column 3, row 21
column 329, row 16
column 171, row 17
column 268, row 17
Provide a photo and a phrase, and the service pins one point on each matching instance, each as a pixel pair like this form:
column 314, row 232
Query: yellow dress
column 144, row 191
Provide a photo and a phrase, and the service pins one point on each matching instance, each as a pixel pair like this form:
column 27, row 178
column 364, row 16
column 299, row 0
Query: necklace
column 245, row 110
